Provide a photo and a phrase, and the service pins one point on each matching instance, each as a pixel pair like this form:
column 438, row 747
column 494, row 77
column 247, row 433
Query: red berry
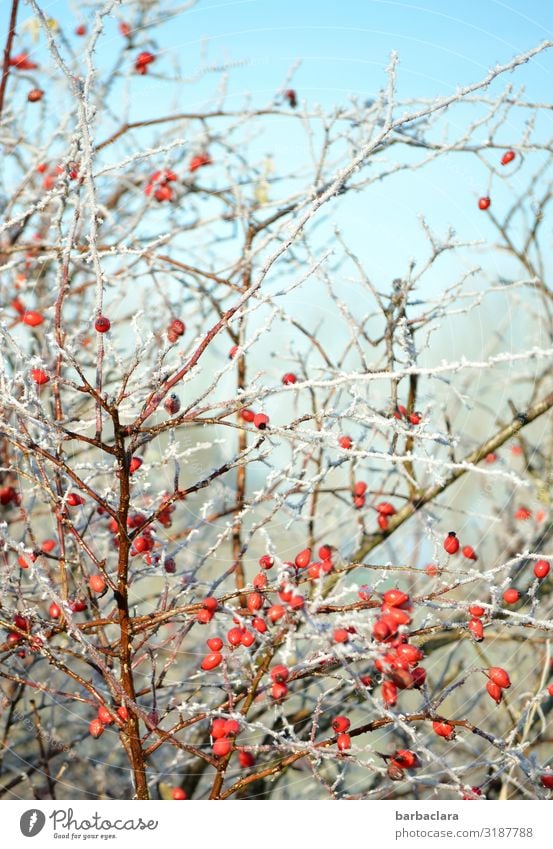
column 541, row 569
column 212, row 661
column 102, row 324
column 178, row 794
column 222, row 747
column 95, row 728
column 144, row 58
column 32, row 318
column 291, row 97
column 247, row 415
column 499, row 676
column 74, row 499
column 276, row 612
column 412, row 654
column 35, row 95
column 419, row 677
column 210, row 604
column 261, row 421
column 260, row 581
column 550, row 690
column 266, row 562
column 217, row 730
column 289, row 378
column 469, row 553
column 345, row 442
column 280, row 674
column 343, row 741
column 248, row 639
column 476, row 629
column 232, row 726
column 451, row 543
column 104, row 715
column 340, row 635
column 122, row 713
column 484, row 203
column 406, row 759
column 259, row 624
column 444, row 729
column 135, row 464
column 234, row 637
column 340, row 723
column 495, row 692
column 385, row 508
column 547, row 780
column 39, row 376
column 54, row 611
column 415, row 418
column 77, row 606
column 359, row 488
column 172, row 404
column 303, row 559
column 508, row 157
column 97, row 584
column 80, row 30
column 279, row 691
column 199, row 161
column 523, row 513
column 177, row 327
column 246, row 759
column 395, row 597
column 215, row 643
column 476, row 610
column 381, row 631
column 204, row 617
column 511, row 596
column 389, row 693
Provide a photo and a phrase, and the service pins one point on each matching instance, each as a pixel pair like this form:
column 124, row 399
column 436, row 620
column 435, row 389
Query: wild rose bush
column 273, row 526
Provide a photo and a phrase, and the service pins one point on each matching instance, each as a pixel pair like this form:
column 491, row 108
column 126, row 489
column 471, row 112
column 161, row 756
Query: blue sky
column 343, row 48
column 344, row 45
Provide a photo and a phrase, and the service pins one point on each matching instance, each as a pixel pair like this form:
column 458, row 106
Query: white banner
column 270, row 825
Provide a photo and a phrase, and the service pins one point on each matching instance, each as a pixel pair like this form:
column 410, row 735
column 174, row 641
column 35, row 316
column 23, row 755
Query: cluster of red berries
column 384, row 510
column 401, row 412
column 341, row 725
column 56, row 173
column 22, row 62
column 158, row 185
column 398, row 661
column 498, row 680
column 259, row 420
column 223, row 733
column 105, row 717
column 452, row 546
